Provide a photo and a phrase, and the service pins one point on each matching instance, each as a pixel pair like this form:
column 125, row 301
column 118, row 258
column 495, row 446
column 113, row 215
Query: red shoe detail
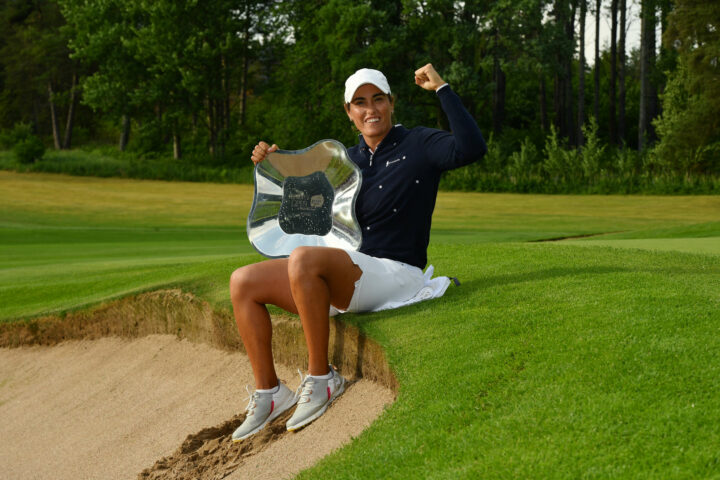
column 272, row 406
column 328, row 392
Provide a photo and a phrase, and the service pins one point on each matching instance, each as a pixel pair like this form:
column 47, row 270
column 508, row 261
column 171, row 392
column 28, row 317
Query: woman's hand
column 261, row 150
column 428, row 78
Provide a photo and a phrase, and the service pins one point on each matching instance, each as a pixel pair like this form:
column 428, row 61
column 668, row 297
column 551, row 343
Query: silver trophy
column 305, row 198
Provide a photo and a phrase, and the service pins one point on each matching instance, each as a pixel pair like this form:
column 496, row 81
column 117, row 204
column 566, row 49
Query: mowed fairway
column 68, row 242
column 595, row 357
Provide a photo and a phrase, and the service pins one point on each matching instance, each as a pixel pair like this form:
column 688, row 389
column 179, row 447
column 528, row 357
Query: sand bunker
column 111, row 408
column 158, row 406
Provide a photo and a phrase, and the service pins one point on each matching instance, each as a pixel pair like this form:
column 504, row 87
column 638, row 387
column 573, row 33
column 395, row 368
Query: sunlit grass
column 47, row 199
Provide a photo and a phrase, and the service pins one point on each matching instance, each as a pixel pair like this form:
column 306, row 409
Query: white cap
column 362, row 77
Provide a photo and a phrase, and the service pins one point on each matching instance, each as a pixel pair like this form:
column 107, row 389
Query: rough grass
column 108, row 162
column 549, row 361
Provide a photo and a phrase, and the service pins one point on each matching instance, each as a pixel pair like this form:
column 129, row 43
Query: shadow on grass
column 470, row 286
column 539, row 275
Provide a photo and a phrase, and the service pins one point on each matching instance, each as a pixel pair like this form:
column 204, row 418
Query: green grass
column 551, row 360
column 53, row 269
column 697, row 238
column 69, row 242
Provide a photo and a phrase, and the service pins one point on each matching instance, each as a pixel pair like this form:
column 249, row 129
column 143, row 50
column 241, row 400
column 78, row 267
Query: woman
column 401, row 170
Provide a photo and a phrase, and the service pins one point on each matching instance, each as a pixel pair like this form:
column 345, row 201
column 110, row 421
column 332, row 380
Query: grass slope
column 550, row 360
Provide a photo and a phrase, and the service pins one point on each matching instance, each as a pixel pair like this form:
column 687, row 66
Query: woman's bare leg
column 319, row 276
column 251, row 288
column 306, row 283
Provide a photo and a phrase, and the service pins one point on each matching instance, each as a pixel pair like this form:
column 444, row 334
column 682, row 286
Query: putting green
column 701, row 238
column 709, row 245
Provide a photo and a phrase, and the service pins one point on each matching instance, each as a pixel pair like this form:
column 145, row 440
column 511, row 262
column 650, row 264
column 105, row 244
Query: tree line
column 204, row 80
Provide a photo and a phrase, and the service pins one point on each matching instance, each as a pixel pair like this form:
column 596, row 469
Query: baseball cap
column 362, row 77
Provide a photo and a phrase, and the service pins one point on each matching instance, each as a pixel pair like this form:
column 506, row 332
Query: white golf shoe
column 262, row 409
column 314, row 398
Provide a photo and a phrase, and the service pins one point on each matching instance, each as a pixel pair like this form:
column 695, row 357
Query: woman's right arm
column 261, row 150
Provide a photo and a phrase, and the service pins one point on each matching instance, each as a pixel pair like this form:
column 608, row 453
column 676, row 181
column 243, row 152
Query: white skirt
column 386, row 284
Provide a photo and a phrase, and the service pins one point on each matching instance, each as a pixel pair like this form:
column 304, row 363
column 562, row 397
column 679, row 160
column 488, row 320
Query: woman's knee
column 305, row 261
column 263, row 282
column 241, row 284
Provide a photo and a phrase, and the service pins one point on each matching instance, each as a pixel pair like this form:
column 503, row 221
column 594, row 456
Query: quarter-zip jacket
column 400, row 181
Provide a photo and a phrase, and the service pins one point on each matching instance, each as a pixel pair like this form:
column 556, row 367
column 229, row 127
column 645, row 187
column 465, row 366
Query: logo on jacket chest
column 395, row 160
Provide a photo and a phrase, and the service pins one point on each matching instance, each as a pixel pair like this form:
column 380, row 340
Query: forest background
column 184, row 89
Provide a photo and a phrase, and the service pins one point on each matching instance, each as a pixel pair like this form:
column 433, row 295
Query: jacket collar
column 396, row 134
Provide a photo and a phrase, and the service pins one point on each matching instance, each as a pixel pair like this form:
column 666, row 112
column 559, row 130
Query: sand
column 114, row 408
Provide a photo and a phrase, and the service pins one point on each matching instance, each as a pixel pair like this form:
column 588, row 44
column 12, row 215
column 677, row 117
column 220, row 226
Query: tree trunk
column 212, row 125
column 563, row 74
column 570, row 33
column 581, row 76
column 621, row 75
column 558, row 106
column 499, row 90
column 665, row 7
column 246, row 65
column 36, row 114
column 543, row 104
column 177, row 147
column 53, row 118
column 67, row 140
column 226, row 105
column 124, row 133
column 596, row 90
column 613, row 72
column 648, row 94
column 498, row 99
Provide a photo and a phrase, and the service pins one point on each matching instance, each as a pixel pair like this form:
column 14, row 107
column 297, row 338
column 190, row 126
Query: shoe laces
column 250, row 409
column 305, row 389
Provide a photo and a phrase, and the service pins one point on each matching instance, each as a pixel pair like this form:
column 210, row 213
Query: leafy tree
column 38, row 78
column 689, row 127
column 101, row 35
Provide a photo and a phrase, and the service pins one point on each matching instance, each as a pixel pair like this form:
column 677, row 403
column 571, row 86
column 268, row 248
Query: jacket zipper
column 372, row 154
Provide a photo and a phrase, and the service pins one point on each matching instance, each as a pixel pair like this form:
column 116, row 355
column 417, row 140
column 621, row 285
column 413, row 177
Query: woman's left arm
column 465, row 144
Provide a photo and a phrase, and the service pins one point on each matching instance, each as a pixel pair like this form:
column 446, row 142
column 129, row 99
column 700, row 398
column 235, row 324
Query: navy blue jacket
column 400, row 181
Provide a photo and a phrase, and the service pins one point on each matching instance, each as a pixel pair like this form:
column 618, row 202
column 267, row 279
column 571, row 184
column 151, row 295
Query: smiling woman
column 370, row 107
column 401, row 171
